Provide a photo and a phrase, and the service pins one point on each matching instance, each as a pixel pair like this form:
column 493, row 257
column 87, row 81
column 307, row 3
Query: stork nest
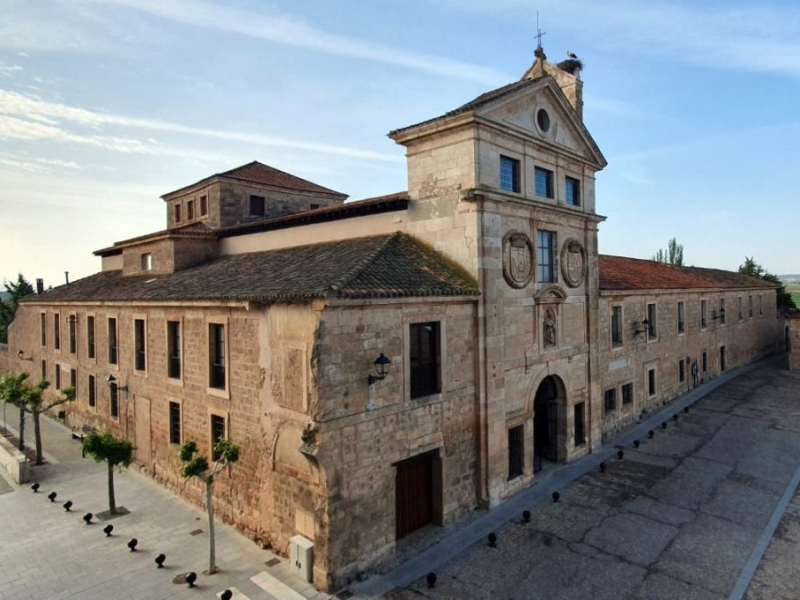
column 571, row 65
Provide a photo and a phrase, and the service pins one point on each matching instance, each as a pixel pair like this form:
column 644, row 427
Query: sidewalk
column 459, row 540
column 50, row 553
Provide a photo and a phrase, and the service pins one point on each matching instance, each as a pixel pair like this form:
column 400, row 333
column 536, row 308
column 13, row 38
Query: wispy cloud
column 762, row 37
column 27, row 117
column 34, row 164
column 285, row 29
column 8, row 70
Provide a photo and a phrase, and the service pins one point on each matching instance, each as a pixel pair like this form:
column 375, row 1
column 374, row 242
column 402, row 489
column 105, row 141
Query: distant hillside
column 789, row 277
column 3, row 296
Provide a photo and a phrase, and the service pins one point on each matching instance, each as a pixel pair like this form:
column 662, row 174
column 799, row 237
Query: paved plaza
column 707, row 509
column 48, row 553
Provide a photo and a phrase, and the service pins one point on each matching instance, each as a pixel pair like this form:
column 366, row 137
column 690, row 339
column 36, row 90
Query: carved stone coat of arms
column 517, row 259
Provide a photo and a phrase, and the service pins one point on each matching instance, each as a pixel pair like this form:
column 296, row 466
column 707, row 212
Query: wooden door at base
column 414, row 494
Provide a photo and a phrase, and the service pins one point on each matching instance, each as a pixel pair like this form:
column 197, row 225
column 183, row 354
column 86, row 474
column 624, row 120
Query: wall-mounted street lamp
column 645, row 327
column 21, row 356
column 382, row 365
column 719, row 316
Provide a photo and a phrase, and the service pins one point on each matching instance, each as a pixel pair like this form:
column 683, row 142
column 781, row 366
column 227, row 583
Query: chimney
column 66, row 276
column 567, row 74
column 40, row 286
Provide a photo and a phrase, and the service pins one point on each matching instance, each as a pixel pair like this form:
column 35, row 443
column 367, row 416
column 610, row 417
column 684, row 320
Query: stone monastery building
column 265, row 310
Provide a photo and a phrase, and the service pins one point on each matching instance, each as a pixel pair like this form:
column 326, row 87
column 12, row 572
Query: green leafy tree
column 784, row 299
column 13, row 391
column 196, row 465
column 673, row 255
column 8, row 308
column 35, row 405
column 102, row 446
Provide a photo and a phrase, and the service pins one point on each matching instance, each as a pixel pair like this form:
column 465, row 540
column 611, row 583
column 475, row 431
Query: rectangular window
column 741, row 312
column 573, row 191
column 544, row 182
column 72, row 322
column 723, row 362
column 216, row 353
column 705, row 362
column 139, row 345
column 174, row 349
column 203, row 206
column 257, row 206
column 174, row 423
column 113, row 400
column 651, row 382
column 616, row 325
column 190, row 210
column 146, row 262
column 580, row 424
column 217, row 433
column 73, row 379
column 58, row 377
column 681, row 320
column 703, row 314
column 610, row 400
column 90, row 337
column 509, row 174
column 627, row 394
column 92, row 391
column 43, row 330
column 750, row 306
column 112, row 341
column 652, row 322
column 722, row 310
column 546, row 241
column 44, row 369
column 760, row 305
column 178, row 213
column 424, row 359
column 681, row 370
column 516, row 451
column 57, row 331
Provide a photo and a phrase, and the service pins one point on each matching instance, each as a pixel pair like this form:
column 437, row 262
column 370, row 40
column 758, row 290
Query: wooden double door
column 418, row 493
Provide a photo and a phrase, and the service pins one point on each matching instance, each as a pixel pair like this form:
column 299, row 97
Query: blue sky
column 107, row 104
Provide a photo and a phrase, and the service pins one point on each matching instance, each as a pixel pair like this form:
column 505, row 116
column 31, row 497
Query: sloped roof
column 259, row 173
column 383, row 266
column 619, row 273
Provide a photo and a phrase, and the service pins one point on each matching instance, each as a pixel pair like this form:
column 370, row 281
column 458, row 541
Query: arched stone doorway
column 549, row 421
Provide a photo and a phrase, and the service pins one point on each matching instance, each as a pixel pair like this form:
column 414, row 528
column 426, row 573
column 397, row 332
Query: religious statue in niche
column 573, row 262
column 517, row 259
column 549, row 328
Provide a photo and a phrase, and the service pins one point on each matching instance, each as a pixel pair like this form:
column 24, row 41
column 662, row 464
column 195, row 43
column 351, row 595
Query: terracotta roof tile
column 256, row 172
column 623, row 273
column 383, row 266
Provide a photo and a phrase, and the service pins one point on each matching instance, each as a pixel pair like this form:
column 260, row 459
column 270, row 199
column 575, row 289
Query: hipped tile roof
column 382, row 266
column 623, row 273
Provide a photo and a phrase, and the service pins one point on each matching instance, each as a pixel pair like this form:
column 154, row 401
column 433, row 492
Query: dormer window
column 190, row 210
column 178, row 213
column 203, row 206
column 147, row 262
column 257, row 206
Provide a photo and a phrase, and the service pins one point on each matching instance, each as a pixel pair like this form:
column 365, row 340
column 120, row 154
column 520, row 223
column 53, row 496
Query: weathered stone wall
column 362, row 430
column 163, row 258
column 5, row 365
column 745, row 340
column 793, row 331
column 256, row 497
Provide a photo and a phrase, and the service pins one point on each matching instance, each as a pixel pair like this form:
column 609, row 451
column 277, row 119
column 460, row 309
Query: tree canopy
column 16, row 290
column 673, row 255
column 753, row 269
column 102, row 446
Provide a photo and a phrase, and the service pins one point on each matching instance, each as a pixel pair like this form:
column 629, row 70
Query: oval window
column 543, row 120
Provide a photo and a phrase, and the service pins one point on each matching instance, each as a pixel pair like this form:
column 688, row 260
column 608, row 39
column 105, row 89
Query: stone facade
column 792, row 342
column 504, row 189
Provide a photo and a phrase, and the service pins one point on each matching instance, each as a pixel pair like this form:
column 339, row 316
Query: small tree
column 35, row 405
column 196, row 465
column 784, row 299
column 673, row 255
column 102, row 446
column 8, row 309
column 13, row 391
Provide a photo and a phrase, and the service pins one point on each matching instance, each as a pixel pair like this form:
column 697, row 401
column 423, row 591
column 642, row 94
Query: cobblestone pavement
column 48, row 553
column 679, row 517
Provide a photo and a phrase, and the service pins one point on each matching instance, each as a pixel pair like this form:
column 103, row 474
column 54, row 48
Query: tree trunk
column 21, row 429
column 37, row 432
column 212, row 559
column 112, row 503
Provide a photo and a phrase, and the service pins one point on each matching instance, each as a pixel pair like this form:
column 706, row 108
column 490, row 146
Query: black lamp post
column 645, row 327
column 382, row 364
column 112, row 382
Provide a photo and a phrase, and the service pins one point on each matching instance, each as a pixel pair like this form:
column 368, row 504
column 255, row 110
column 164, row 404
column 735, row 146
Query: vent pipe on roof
column 40, row 286
column 66, row 276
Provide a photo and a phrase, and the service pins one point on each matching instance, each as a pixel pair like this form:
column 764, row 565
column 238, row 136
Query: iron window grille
column 217, row 434
column 140, row 348
column 174, row 349
column 616, row 326
column 546, row 243
column 627, row 393
column 610, row 400
column 112, row 341
column 90, row 346
column 57, row 331
column 652, row 326
column 92, row 391
column 573, row 191
column 703, row 314
column 217, row 356
column 509, row 174
column 43, row 330
column 113, row 400
column 543, row 179
column 174, row 423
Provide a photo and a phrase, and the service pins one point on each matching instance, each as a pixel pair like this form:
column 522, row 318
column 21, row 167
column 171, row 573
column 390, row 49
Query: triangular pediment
column 519, row 109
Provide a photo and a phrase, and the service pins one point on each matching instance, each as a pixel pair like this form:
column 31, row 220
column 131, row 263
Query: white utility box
column 301, row 553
